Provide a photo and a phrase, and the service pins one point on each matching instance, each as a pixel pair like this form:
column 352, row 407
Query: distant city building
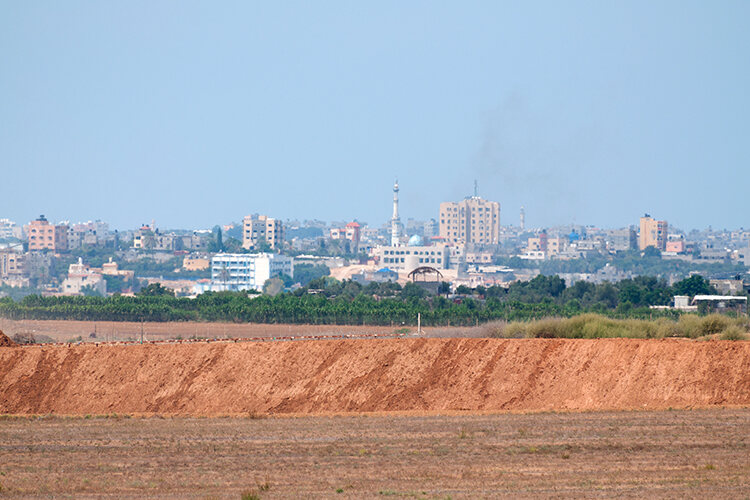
column 350, row 233
column 473, row 220
column 9, row 230
column 241, row 271
column 88, row 233
column 45, row 236
column 80, row 277
column 144, row 238
column 431, row 229
column 653, row 233
column 675, row 246
column 408, row 258
column 728, row 286
column 261, row 228
column 12, row 272
column 621, row 240
column 112, row 269
column 191, row 263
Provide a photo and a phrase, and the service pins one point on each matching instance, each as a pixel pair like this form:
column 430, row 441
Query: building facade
column 9, row 230
column 653, row 233
column 259, row 228
column 408, row 258
column 81, row 277
column 241, row 271
column 45, row 236
column 473, row 220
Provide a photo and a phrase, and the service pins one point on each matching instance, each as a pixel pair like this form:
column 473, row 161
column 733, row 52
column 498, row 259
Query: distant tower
column 523, row 219
column 476, row 189
column 395, row 220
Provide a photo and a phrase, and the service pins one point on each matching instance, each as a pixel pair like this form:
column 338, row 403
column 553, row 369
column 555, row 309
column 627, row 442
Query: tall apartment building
column 242, row 271
column 258, row 228
column 473, row 220
column 653, row 233
column 45, row 236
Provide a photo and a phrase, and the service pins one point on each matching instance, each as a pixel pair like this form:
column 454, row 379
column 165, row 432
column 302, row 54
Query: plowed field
column 382, row 375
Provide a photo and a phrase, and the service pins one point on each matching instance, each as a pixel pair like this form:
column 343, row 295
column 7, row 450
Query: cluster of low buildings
column 463, row 244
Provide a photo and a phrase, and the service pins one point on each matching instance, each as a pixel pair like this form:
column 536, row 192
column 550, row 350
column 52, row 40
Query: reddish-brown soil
column 383, row 375
column 5, row 341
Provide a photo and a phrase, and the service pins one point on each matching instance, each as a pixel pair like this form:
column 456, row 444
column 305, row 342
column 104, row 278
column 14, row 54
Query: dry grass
column 590, row 326
column 700, row 453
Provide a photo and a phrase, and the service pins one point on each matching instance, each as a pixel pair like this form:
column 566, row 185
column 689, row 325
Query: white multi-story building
column 408, row 258
column 240, row 271
column 80, row 277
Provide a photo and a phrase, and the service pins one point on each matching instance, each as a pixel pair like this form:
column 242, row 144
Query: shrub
column 545, row 329
column 734, row 332
column 503, row 330
column 714, row 323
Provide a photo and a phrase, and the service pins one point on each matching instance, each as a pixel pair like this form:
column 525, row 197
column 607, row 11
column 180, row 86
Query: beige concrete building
column 12, row 269
column 653, row 233
column 408, row 258
column 144, row 238
column 45, row 236
column 258, row 228
column 81, row 277
column 112, row 269
column 473, row 220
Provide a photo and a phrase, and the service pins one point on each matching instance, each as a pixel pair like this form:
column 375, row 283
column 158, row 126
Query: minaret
column 395, row 221
column 523, row 219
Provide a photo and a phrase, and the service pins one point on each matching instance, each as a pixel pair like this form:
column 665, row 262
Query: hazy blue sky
column 197, row 113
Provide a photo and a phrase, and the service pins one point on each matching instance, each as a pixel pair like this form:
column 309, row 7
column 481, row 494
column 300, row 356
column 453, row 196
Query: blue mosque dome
column 416, row 241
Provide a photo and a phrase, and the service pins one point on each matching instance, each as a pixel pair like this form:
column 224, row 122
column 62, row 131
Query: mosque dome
column 416, row 241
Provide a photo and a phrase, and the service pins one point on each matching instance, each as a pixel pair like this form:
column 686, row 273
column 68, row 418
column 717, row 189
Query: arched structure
column 424, row 272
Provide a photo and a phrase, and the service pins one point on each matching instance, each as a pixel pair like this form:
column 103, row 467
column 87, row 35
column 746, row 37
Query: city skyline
column 201, row 114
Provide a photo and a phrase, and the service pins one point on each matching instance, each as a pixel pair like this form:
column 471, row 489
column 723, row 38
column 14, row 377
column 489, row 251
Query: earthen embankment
column 375, row 376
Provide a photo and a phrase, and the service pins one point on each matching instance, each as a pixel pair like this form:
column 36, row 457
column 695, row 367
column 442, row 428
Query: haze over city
column 196, row 114
column 425, row 249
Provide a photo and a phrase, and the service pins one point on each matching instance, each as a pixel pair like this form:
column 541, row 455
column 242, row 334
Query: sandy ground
column 355, row 375
column 674, row 454
column 64, row 331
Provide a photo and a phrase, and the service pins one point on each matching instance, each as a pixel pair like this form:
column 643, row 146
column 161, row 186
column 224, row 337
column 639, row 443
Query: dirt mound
column 375, row 375
column 5, row 340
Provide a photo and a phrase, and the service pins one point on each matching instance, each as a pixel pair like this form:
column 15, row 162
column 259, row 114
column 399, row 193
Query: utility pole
column 419, row 323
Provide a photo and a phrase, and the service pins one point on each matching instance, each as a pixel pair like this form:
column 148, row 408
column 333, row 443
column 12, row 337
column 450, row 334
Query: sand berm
column 381, row 375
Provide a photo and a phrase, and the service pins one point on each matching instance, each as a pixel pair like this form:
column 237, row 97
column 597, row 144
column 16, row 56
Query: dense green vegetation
column 335, row 302
column 644, row 264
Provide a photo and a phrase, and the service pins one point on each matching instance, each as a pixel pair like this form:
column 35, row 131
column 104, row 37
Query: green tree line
column 328, row 301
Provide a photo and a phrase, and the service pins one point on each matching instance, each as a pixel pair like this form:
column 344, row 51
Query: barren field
column 63, row 331
column 685, row 454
